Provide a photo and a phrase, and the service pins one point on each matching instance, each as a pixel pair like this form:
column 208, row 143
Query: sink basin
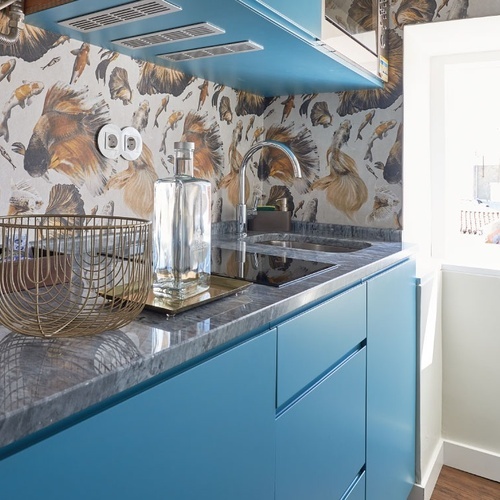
column 314, row 243
column 303, row 245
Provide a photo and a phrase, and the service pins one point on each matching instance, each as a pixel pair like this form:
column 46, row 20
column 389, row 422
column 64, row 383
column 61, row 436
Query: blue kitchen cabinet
column 345, row 428
column 321, row 406
column 320, row 439
column 312, row 343
column 207, row 433
column 357, row 491
column 306, row 17
column 391, row 383
column 269, row 50
column 321, row 388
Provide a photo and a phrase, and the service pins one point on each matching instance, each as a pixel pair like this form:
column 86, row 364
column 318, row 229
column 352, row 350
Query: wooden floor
column 454, row 484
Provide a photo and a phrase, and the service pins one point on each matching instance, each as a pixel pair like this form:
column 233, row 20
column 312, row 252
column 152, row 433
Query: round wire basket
column 67, row 275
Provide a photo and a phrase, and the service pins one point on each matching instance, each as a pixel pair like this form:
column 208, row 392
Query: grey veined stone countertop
column 44, row 381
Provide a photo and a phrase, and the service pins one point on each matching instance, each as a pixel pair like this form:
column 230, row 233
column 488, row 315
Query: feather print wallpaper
column 56, row 93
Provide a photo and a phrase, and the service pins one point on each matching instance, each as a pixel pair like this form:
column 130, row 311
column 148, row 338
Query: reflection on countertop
column 33, row 368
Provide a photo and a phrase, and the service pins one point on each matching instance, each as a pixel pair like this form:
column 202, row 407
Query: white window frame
column 428, row 48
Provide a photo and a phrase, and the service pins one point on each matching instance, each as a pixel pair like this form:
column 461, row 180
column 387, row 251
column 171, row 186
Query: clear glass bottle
column 181, row 230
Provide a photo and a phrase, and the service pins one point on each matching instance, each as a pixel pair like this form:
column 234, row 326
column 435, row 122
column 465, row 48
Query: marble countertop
column 43, row 381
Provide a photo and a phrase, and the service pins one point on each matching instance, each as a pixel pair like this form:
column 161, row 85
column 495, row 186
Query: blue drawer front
column 320, row 440
column 358, row 491
column 310, row 344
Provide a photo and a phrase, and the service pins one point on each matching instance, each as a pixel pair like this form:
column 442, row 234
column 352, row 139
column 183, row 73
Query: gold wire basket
column 67, row 275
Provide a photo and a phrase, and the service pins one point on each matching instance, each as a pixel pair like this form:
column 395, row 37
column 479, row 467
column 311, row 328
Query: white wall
column 468, row 385
column 430, row 378
column 471, row 367
column 418, row 229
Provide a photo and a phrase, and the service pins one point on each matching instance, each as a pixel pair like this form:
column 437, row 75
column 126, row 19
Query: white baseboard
column 459, row 456
column 430, row 476
column 474, row 460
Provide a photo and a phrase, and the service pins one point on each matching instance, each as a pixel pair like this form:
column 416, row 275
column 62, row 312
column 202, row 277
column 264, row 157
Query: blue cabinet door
column 312, row 343
column 207, row 433
column 320, row 439
column 391, row 384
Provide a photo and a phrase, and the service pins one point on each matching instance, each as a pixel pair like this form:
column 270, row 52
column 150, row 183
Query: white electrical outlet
column 109, row 141
column 113, row 142
column 131, row 143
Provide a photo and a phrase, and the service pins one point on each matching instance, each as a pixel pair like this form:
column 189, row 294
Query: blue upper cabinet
column 244, row 44
column 307, row 18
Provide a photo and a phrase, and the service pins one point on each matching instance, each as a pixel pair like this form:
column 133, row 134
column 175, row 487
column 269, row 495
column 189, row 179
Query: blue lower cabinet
column 321, row 407
column 206, row 434
column 391, row 384
column 311, row 343
column 357, row 492
column 320, row 438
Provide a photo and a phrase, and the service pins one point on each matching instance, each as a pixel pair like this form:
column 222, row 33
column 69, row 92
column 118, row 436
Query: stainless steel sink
column 314, row 243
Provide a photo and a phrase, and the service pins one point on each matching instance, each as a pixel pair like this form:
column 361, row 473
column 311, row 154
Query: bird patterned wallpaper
column 56, row 93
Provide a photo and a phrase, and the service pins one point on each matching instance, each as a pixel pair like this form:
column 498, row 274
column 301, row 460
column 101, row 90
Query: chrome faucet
column 241, row 208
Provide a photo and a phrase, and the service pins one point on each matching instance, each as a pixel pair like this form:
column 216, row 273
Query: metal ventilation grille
column 217, row 50
column 171, row 35
column 115, row 16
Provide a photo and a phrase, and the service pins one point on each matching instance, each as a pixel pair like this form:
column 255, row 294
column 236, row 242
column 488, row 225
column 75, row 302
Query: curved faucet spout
column 241, row 209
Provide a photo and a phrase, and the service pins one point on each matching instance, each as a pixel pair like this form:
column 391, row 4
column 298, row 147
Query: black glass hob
column 264, row 269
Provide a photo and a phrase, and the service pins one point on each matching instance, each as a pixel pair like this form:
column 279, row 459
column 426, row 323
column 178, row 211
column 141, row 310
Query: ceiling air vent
column 167, row 36
column 217, row 50
column 133, row 11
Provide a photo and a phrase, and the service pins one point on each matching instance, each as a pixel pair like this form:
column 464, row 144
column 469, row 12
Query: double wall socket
column 113, row 142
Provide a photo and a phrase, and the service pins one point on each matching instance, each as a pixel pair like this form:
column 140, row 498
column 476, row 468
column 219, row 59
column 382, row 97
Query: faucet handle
column 255, row 203
column 252, row 212
column 241, row 219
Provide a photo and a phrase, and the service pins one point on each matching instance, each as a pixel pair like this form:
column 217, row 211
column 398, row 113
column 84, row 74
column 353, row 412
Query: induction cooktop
column 264, row 269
